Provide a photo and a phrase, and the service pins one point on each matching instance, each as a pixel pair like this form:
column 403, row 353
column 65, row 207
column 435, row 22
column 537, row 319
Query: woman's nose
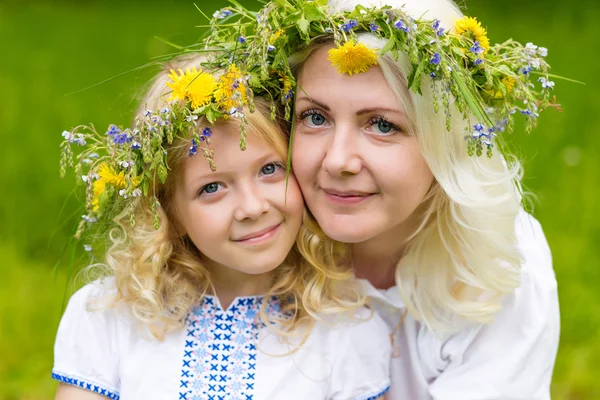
column 342, row 152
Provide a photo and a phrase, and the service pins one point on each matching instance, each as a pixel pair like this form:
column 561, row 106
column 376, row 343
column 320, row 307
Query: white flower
column 530, row 49
column 123, row 193
column 68, row 135
column 87, row 247
column 542, row 51
column 136, row 193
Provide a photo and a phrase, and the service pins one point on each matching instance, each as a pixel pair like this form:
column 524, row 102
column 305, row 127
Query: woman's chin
column 347, row 232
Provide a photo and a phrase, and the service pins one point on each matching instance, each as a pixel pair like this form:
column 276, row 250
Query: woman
column 462, row 275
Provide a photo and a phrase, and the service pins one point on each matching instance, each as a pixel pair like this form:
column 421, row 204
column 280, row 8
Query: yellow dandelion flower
column 231, row 89
column 108, row 175
column 352, row 58
column 275, row 36
column 194, row 85
column 472, row 28
column 508, row 82
column 98, row 188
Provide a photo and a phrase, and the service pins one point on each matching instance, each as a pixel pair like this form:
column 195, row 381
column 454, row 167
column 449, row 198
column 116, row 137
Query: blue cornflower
column 435, row 60
column 546, row 84
column 373, row 27
column 476, row 48
column 401, row 25
column 147, row 113
column 242, row 39
column 193, row 148
column 136, row 145
column 348, row 26
column 165, row 110
column 526, row 70
column 439, row 31
column 206, row 132
column 432, row 75
column 270, row 47
column 220, row 14
column 121, row 138
column 113, row 130
column 288, row 95
column 479, row 61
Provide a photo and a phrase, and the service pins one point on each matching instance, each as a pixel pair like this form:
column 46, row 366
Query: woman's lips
column 346, row 198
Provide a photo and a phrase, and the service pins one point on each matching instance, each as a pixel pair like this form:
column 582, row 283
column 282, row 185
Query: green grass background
column 49, row 49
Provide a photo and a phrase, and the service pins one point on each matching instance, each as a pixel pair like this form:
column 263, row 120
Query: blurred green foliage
column 54, row 48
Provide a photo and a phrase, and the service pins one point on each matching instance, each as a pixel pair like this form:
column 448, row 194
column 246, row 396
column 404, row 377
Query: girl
column 218, row 291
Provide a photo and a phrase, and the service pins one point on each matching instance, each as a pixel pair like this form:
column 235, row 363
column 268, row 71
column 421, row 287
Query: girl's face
column 240, row 217
column 361, row 174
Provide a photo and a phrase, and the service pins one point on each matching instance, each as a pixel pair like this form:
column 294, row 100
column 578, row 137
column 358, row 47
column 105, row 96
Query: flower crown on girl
column 489, row 83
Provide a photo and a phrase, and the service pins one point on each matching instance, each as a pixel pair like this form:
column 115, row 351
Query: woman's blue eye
column 313, row 118
column 384, row 126
column 210, row 188
column 317, row 119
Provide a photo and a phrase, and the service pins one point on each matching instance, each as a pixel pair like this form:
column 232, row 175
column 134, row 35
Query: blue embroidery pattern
column 219, row 360
column 371, row 396
column 85, row 384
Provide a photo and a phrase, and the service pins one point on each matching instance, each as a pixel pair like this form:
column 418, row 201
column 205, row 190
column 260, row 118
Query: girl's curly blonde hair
column 159, row 275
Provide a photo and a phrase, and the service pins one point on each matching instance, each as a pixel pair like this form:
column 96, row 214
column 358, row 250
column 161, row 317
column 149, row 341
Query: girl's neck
column 229, row 284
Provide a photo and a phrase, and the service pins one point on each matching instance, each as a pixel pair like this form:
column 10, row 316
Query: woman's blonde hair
column 159, row 275
column 463, row 257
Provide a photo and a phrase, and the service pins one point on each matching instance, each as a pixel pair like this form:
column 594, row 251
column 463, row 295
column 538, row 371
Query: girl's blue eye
column 210, row 188
column 269, row 169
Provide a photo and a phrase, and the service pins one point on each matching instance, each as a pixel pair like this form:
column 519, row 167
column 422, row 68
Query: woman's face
column 361, row 173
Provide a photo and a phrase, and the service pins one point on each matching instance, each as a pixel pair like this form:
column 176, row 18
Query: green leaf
column 312, row 12
column 414, row 80
column 471, row 99
column 145, row 187
column 162, row 173
column 303, row 26
column 389, row 45
column 211, row 115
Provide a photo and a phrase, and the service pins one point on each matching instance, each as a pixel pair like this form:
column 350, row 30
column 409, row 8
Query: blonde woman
column 461, row 274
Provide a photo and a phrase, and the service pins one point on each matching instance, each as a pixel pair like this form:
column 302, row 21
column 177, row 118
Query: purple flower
column 373, row 27
column 432, row 75
column 479, row 61
column 526, row 70
column 206, row 132
column 435, row 60
column 270, row 47
column 242, row 39
column 136, row 145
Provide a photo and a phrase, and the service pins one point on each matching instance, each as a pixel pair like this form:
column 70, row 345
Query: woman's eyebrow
column 316, row 102
column 379, row 109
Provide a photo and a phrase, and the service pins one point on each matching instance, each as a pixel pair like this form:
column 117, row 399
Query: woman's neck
column 229, row 283
column 376, row 259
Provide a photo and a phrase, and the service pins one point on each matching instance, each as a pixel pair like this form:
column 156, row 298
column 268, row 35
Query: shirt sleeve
column 513, row 357
column 362, row 372
column 86, row 352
